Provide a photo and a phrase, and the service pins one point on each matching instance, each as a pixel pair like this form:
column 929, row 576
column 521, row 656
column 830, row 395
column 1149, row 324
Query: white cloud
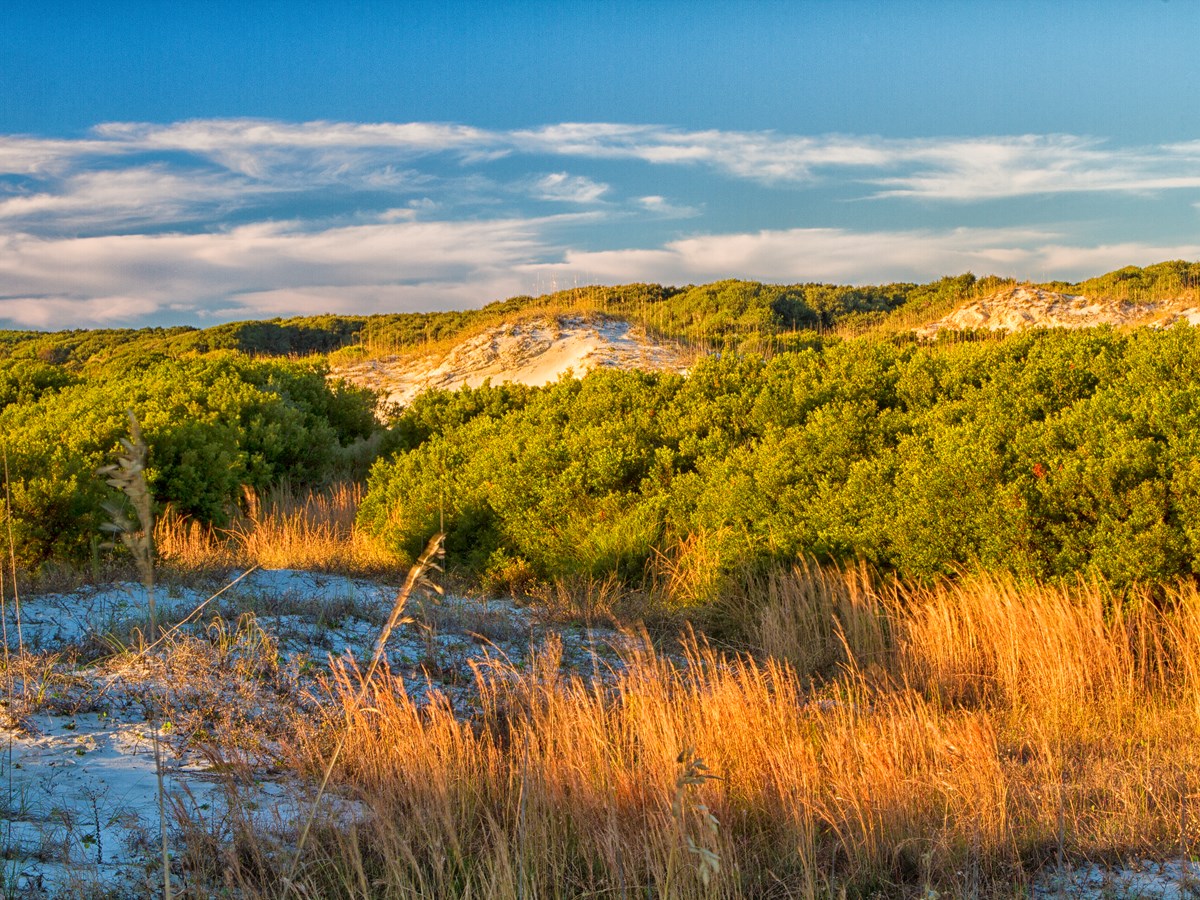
column 268, row 148
column 54, row 313
column 280, row 269
column 22, row 155
column 240, row 160
column 566, row 188
column 360, row 201
column 989, row 168
column 843, row 256
column 757, row 155
column 142, row 194
column 661, row 206
column 220, row 135
column 1081, row 262
column 126, row 277
column 930, row 168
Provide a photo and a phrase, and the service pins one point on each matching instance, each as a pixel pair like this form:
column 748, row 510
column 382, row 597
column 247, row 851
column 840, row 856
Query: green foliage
column 435, row 411
column 1162, row 281
column 725, row 315
column 1047, row 453
column 27, row 380
column 213, row 425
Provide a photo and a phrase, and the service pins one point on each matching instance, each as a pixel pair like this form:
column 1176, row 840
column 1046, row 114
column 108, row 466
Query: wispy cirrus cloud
column 661, row 206
column 220, row 218
column 992, row 168
column 221, row 134
column 760, row 156
column 930, row 168
column 567, row 188
column 25, row 155
column 122, row 197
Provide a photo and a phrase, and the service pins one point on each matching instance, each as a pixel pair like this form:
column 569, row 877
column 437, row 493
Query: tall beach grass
column 284, row 529
column 956, row 738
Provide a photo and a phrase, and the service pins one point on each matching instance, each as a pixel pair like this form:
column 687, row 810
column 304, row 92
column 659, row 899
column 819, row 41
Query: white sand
column 1022, row 308
column 78, row 780
column 534, row 352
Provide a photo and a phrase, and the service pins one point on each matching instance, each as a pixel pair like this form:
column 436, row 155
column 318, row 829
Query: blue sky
column 198, row 162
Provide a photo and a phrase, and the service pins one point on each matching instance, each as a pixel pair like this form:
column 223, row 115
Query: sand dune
column 533, row 352
column 1027, row 307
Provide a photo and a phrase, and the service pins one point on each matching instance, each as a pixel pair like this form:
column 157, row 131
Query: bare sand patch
column 534, row 352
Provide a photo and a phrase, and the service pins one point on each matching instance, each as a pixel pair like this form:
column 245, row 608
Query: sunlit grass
column 311, row 530
column 961, row 738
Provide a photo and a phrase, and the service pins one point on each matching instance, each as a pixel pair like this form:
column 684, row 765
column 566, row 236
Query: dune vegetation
column 891, row 617
column 948, row 740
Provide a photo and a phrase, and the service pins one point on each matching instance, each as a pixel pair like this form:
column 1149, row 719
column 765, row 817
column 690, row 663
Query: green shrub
column 214, row 424
column 1047, row 453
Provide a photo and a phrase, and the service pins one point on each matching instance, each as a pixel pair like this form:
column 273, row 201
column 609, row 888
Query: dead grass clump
column 185, row 545
column 565, row 790
column 582, row 598
column 818, row 619
column 285, row 530
column 40, row 682
column 689, row 572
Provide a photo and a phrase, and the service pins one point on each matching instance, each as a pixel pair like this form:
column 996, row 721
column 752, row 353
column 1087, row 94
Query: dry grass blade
column 191, row 616
column 417, row 577
column 162, row 816
column 12, row 559
column 178, row 626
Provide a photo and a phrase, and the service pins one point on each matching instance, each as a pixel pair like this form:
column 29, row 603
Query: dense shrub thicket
column 730, row 315
column 213, row 423
column 99, row 349
column 725, row 314
column 1048, row 453
column 1161, row 280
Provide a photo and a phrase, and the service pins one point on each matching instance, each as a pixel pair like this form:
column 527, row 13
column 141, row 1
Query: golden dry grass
column 966, row 735
column 314, row 530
